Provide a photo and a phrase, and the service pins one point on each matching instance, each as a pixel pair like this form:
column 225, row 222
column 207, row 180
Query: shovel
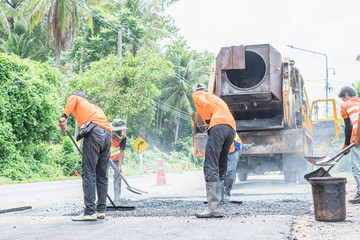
column 326, row 161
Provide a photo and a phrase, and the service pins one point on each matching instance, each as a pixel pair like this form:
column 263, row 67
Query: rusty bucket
column 329, row 198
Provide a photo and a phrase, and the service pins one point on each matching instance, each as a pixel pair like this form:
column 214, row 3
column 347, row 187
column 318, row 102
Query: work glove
column 345, row 146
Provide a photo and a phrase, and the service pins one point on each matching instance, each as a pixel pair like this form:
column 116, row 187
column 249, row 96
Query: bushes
column 29, row 109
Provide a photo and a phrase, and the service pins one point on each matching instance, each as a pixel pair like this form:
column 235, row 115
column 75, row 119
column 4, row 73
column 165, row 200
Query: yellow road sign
column 140, row 145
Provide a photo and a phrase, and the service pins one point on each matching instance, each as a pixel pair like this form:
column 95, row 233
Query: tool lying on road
column 112, row 203
column 325, row 161
column 14, row 209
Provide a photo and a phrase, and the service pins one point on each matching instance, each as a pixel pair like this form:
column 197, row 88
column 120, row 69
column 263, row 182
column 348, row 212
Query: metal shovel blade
column 321, row 172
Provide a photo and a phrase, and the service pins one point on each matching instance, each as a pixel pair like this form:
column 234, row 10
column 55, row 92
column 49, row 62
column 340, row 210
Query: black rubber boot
column 214, row 193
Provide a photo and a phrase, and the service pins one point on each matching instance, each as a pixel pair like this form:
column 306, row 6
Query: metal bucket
column 329, row 198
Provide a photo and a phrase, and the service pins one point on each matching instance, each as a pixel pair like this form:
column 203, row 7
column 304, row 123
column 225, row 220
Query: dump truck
column 274, row 117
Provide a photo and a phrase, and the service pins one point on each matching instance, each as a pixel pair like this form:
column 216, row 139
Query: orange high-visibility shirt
column 211, row 107
column 350, row 109
column 236, row 139
column 83, row 112
column 115, row 148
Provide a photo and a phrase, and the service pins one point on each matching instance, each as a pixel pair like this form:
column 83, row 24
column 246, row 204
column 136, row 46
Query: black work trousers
column 217, row 148
column 95, row 159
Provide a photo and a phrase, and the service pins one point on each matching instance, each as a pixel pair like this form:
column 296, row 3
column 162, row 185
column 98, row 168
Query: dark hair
column 349, row 90
column 80, row 94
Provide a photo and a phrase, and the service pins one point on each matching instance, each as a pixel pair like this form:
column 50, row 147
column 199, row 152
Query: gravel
column 186, row 208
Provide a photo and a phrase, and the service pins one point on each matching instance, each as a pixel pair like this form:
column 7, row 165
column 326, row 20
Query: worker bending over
column 96, row 131
column 221, row 131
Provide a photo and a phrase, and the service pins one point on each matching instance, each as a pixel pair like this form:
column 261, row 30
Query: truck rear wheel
column 290, row 176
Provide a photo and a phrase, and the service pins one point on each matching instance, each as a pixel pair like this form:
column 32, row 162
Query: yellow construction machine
column 274, row 118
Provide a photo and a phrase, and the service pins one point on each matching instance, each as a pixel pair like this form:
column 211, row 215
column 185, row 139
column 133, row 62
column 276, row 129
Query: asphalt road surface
column 271, row 209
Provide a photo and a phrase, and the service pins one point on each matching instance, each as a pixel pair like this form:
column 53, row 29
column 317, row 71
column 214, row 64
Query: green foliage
column 103, row 41
column 123, row 90
column 28, row 116
column 31, row 144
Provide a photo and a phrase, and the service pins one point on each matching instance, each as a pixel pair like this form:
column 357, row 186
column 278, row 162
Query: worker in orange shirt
column 232, row 161
column 221, row 131
column 96, row 131
column 350, row 114
column 118, row 146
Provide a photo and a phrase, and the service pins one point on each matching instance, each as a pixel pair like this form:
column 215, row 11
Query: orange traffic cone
column 76, row 174
column 160, row 181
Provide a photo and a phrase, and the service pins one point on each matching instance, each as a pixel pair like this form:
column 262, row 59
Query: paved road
column 54, row 202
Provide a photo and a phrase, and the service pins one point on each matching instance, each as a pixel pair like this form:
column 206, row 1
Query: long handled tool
column 325, row 161
column 112, row 203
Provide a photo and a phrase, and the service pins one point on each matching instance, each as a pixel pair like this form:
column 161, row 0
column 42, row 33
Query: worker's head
column 346, row 93
column 117, row 127
column 80, row 94
column 199, row 87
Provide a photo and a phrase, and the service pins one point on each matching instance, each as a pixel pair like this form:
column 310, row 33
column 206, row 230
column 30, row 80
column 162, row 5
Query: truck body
column 274, row 120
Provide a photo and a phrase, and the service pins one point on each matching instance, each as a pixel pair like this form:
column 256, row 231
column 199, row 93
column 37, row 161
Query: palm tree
column 62, row 21
column 179, row 100
column 150, row 14
column 20, row 45
column 9, row 15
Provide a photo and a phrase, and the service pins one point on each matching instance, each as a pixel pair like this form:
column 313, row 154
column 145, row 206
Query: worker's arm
column 348, row 129
column 202, row 106
column 121, row 159
column 122, row 147
column 70, row 104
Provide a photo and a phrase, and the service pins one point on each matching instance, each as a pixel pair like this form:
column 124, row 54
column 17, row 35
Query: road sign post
column 140, row 145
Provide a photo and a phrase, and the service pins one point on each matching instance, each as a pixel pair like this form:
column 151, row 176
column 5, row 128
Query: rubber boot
column 228, row 186
column 214, row 194
column 117, row 190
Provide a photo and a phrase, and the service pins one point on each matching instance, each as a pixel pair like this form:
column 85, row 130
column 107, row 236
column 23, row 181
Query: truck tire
column 290, row 176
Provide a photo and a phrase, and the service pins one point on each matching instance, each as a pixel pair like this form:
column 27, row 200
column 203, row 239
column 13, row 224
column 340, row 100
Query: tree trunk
column 58, row 54
column 177, row 127
column 178, row 123
column 81, row 61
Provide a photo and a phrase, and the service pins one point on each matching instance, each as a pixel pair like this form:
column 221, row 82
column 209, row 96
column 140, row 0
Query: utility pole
column 327, row 72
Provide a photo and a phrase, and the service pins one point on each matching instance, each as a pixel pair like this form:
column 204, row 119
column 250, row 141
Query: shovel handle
column 72, row 139
column 116, row 169
column 343, row 151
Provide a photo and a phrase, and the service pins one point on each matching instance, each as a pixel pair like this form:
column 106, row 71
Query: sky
column 330, row 27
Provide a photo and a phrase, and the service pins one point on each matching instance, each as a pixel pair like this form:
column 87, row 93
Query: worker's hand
column 63, row 123
column 345, row 146
column 119, row 170
column 357, row 141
